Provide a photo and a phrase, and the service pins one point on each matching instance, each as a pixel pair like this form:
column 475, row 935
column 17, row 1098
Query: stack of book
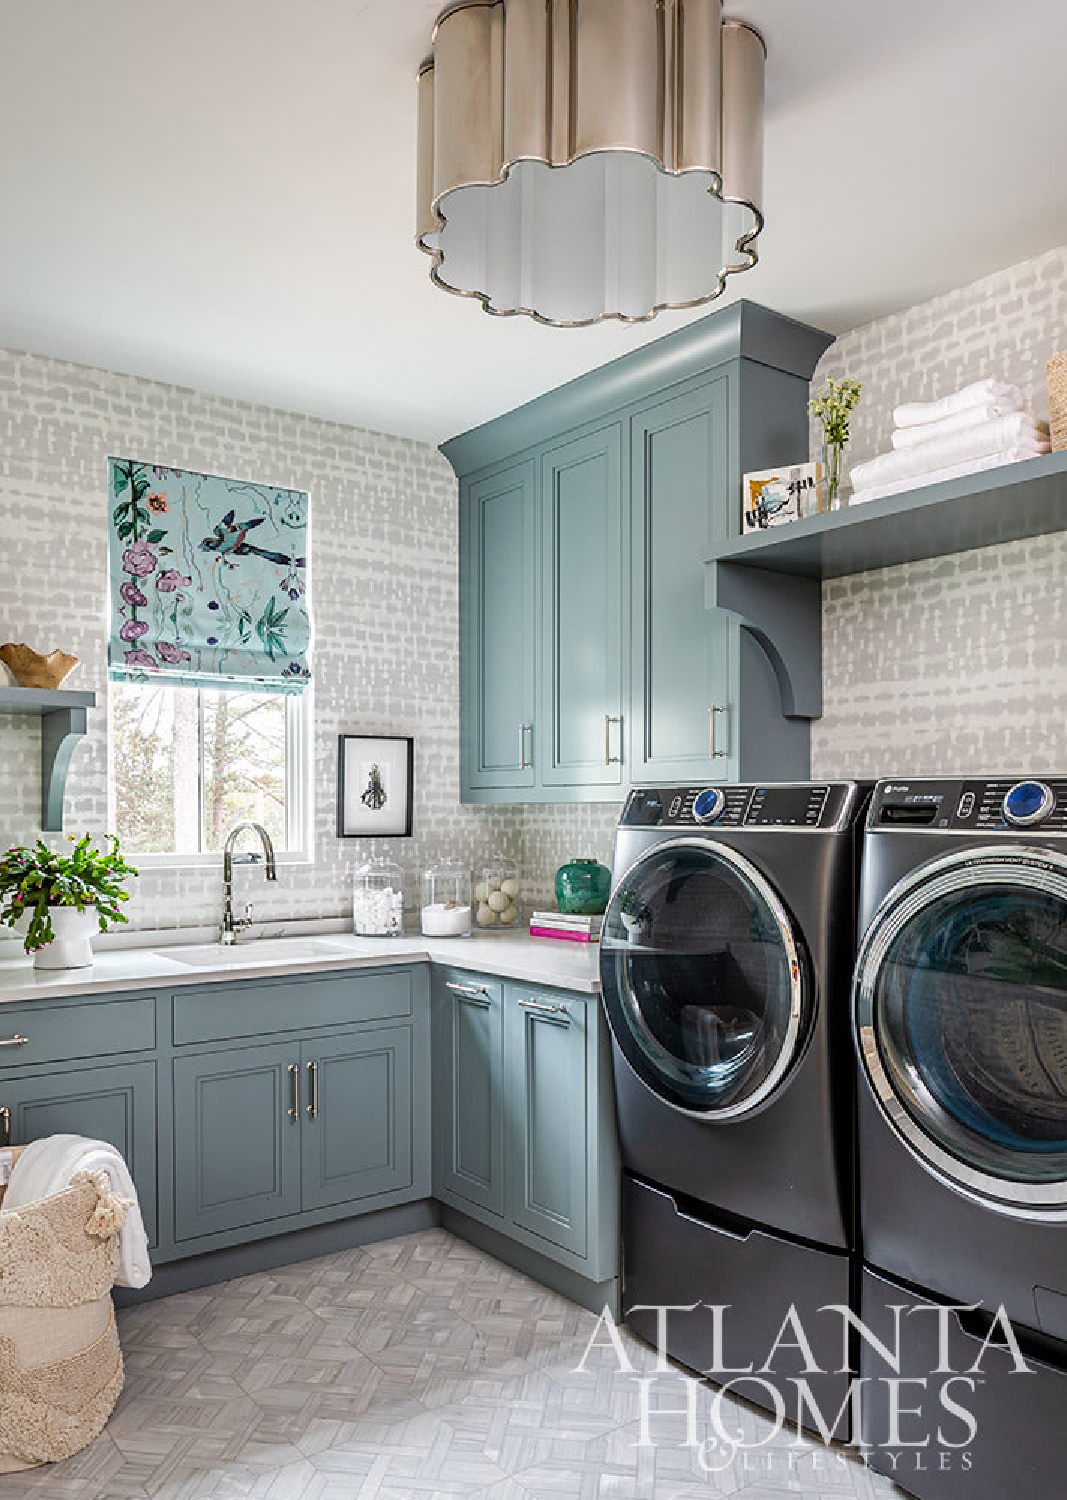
column 572, row 929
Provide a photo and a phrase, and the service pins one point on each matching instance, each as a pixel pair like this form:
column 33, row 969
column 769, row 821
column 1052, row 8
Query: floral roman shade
column 208, row 579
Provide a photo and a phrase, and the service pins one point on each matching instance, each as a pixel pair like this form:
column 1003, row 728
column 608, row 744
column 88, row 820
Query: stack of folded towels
column 980, row 427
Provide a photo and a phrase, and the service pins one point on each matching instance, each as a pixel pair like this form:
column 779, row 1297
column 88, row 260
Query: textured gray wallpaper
column 383, row 592
column 954, row 664
column 960, row 663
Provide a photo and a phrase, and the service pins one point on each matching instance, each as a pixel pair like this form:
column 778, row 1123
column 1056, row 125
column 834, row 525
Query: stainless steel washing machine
column 960, row 1019
column 725, row 964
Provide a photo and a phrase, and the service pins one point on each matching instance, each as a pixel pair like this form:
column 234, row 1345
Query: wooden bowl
column 32, row 670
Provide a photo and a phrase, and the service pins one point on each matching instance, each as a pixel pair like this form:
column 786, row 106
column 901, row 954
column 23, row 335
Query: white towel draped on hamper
column 48, row 1165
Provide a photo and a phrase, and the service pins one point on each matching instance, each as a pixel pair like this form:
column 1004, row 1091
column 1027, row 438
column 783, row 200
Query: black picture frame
column 363, row 822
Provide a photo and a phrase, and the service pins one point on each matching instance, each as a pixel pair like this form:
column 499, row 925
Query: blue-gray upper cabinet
column 682, row 687
column 236, row 1138
column 630, row 475
column 582, row 601
column 357, row 1115
column 498, row 624
column 549, row 1109
column 468, row 1089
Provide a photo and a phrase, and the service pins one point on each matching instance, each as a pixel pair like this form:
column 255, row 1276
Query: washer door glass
column 962, row 1017
column 701, row 978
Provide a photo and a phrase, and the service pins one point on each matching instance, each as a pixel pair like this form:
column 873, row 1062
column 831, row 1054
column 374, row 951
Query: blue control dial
column 709, row 805
column 1027, row 802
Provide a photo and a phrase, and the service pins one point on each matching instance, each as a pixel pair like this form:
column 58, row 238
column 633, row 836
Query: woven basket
column 60, row 1361
column 1057, row 400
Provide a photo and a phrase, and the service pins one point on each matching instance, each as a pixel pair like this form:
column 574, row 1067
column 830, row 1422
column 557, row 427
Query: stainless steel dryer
column 725, row 964
column 960, row 1015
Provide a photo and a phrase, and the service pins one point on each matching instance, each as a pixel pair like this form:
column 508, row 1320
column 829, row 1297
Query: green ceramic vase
column 583, row 887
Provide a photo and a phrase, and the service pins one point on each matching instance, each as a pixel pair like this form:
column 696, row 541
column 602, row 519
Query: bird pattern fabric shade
column 589, row 159
column 208, row 579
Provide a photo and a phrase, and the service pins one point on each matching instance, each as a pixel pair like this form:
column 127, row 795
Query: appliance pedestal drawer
column 1008, row 1439
column 673, row 1258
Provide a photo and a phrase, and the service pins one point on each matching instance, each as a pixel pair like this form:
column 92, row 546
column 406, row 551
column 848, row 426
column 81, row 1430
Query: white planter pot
column 71, row 948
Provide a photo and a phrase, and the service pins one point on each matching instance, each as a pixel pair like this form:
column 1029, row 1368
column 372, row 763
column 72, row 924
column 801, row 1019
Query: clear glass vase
column 832, row 454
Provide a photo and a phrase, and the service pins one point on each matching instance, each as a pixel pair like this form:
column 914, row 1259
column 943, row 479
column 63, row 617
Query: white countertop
column 547, row 961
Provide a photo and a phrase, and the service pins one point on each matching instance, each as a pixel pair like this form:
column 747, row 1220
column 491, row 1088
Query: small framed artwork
column 375, row 786
column 773, row 497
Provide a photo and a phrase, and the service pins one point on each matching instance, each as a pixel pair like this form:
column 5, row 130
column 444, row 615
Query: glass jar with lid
column 498, row 895
column 378, row 899
column 446, row 900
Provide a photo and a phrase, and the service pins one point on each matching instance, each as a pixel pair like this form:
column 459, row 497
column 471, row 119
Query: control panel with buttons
column 1008, row 804
column 809, row 805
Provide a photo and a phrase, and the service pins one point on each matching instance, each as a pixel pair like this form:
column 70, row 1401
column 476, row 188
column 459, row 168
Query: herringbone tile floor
column 415, row 1369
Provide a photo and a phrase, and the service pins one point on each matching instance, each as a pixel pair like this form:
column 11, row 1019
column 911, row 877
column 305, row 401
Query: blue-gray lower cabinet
column 355, row 1133
column 524, row 1123
column 468, row 1088
column 115, row 1103
column 548, row 1101
column 236, row 1138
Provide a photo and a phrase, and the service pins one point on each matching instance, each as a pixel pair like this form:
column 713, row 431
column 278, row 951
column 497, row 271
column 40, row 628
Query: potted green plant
column 833, row 406
column 63, row 898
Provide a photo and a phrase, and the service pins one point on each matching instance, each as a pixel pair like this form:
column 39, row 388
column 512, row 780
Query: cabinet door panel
column 547, row 1116
column 498, row 535
column 468, row 1084
column 236, row 1147
column 583, row 611
column 356, row 1134
column 117, row 1105
column 681, row 649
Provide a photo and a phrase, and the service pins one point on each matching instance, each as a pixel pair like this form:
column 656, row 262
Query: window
column 188, row 763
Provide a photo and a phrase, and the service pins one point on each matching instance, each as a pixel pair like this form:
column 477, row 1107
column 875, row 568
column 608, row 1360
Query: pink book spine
column 557, row 932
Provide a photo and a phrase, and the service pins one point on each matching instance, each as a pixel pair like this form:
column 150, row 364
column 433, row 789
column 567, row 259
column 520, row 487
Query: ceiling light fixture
column 589, row 159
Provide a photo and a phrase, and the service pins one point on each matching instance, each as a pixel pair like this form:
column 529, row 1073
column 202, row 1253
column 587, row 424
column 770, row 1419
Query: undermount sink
column 255, row 951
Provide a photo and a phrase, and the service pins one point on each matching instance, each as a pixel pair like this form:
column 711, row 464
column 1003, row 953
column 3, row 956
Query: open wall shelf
column 772, row 579
column 63, row 723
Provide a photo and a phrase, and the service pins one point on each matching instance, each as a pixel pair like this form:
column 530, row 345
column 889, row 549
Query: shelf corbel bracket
column 61, row 729
column 783, row 613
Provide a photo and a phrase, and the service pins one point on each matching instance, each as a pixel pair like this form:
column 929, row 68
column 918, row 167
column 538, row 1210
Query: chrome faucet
column 232, row 925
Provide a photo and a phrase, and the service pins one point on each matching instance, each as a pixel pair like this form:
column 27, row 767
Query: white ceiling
column 220, row 193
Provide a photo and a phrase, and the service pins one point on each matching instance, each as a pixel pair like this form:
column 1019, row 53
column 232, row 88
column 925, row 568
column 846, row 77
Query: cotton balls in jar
column 498, row 894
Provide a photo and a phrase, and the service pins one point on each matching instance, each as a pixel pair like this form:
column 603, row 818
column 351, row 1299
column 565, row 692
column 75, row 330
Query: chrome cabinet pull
column 712, row 711
column 609, row 759
column 474, row 993
column 557, row 1012
column 313, row 1079
column 294, row 1092
column 5, row 1126
column 18, row 1040
column 524, row 730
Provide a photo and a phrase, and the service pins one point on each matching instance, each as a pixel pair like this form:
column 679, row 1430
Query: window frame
column 299, row 790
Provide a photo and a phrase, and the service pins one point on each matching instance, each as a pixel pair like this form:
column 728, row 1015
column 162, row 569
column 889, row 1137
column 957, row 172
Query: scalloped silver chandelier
column 589, row 159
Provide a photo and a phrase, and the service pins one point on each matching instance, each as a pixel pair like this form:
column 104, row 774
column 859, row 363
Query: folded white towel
column 913, row 413
column 1017, row 430
column 954, row 471
column 971, row 416
column 47, row 1166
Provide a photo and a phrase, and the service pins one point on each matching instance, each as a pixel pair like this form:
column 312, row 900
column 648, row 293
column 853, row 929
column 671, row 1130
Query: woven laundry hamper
column 60, row 1360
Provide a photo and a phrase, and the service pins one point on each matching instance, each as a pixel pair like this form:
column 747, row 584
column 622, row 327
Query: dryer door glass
column 701, row 978
column 962, row 1019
